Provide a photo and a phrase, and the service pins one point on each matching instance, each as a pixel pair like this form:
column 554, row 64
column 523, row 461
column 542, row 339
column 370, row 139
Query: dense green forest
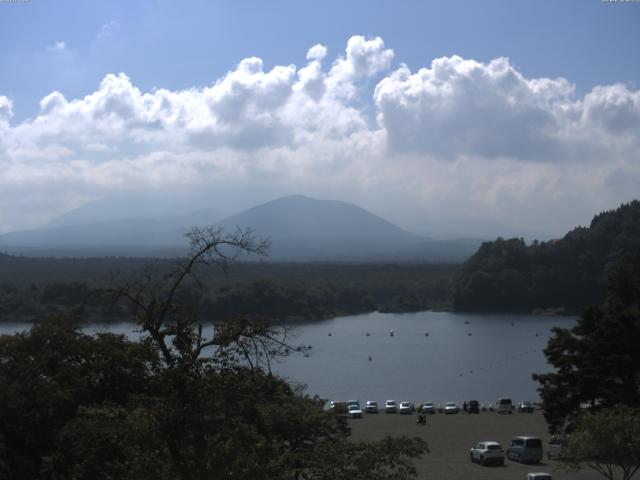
column 33, row 288
column 563, row 275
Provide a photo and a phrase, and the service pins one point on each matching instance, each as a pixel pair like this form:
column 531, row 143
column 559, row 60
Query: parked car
column 390, row 406
column 354, row 411
column 337, row 406
column 526, row 407
column 428, row 407
column 450, row 407
column 525, row 449
column 504, row 405
column 487, row 452
column 371, row 406
column 538, row 476
column 554, row 450
column 353, row 402
column 473, row 406
column 406, row 408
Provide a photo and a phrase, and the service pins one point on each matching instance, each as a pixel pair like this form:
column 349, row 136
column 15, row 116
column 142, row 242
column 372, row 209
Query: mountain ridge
column 300, row 228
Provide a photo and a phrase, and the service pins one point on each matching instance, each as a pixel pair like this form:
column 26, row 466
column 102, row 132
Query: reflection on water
column 431, row 356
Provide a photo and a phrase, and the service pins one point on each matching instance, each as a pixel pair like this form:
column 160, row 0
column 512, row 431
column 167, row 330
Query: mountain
column 300, row 217
column 148, row 205
column 299, row 228
column 302, row 229
column 127, row 237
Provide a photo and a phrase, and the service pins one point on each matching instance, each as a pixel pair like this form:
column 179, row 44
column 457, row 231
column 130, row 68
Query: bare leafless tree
column 173, row 325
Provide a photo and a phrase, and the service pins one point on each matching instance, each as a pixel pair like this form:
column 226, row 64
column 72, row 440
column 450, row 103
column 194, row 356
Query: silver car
column 554, row 450
column 406, row 408
column 354, row 411
column 390, row 406
column 450, row 407
column 428, row 407
column 371, row 406
column 539, row 476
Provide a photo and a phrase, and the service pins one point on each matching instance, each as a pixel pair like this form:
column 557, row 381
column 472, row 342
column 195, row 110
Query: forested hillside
column 33, row 288
column 570, row 273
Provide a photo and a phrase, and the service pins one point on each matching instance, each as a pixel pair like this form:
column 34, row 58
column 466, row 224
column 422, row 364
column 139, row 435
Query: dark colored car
column 473, row 406
column 526, row 407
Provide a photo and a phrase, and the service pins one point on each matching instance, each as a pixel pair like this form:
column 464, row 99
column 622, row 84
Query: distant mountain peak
column 300, row 216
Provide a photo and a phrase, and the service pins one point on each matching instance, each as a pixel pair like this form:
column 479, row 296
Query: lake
column 465, row 356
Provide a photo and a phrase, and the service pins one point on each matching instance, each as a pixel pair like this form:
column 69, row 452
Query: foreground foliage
column 183, row 402
column 607, row 442
column 597, row 362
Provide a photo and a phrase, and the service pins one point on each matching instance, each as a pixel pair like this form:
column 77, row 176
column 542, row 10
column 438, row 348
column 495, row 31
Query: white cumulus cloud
column 6, row 109
column 455, row 141
column 464, row 107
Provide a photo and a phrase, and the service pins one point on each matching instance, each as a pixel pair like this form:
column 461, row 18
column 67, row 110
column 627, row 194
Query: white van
column 504, row 405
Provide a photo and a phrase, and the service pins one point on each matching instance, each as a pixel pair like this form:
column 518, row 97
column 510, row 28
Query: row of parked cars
column 354, row 410
column 522, row 449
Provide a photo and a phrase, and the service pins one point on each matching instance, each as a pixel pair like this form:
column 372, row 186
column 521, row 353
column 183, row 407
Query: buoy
column 329, row 333
column 426, row 333
column 391, row 333
column 369, row 357
column 367, row 334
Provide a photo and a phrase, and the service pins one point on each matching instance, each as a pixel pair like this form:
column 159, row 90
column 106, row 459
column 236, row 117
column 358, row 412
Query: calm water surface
column 464, row 356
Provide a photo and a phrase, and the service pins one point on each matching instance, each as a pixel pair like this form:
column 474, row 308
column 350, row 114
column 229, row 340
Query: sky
column 478, row 118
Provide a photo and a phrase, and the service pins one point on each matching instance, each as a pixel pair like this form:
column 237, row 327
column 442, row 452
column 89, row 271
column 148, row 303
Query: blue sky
column 556, row 140
column 178, row 45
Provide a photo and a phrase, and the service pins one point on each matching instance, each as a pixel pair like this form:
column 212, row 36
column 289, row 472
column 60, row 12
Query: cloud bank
column 446, row 148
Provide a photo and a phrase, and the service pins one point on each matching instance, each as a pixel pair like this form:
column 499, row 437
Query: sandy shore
column 451, row 436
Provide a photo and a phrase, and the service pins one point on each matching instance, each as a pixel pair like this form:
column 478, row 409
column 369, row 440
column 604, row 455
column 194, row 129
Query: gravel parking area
column 451, row 436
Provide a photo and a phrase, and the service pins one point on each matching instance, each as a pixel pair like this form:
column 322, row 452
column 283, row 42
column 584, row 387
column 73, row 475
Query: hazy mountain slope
column 300, row 217
column 131, row 231
column 300, row 229
column 160, row 206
